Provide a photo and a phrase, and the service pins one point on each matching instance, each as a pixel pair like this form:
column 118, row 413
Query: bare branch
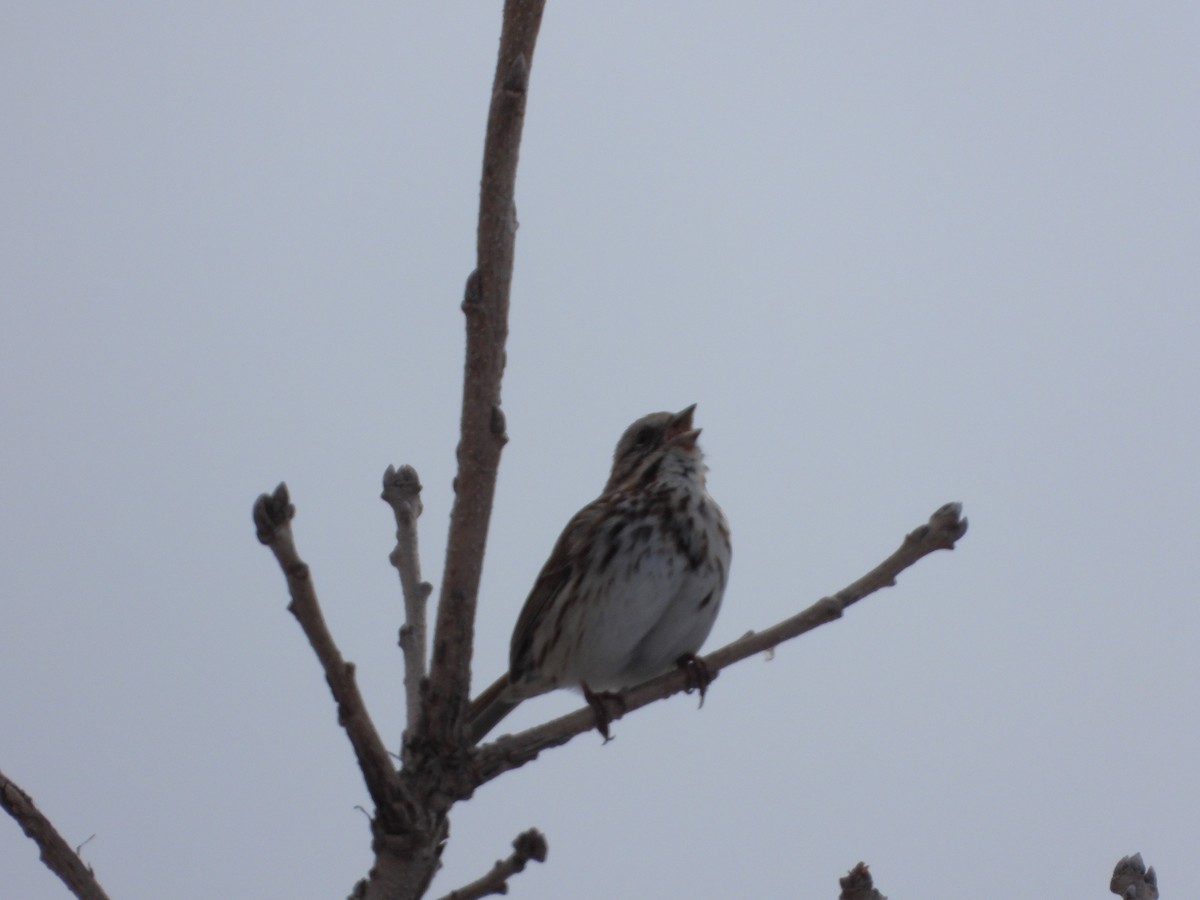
column 529, row 845
column 56, row 852
column 944, row 529
column 482, row 425
column 1131, row 880
column 857, row 885
column 272, row 516
column 402, row 491
column 411, row 805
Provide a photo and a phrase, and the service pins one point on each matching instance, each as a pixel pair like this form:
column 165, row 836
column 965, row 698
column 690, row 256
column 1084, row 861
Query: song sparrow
column 633, row 585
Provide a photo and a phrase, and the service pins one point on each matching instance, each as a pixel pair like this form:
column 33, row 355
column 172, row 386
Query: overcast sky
column 898, row 253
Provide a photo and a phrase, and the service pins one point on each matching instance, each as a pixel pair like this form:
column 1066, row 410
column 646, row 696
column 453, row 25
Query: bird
column 633, row 584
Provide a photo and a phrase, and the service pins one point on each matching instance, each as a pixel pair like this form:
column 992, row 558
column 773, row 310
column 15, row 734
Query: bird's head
column 651, row 438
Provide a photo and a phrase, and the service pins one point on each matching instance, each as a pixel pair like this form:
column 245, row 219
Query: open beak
column 679, row 431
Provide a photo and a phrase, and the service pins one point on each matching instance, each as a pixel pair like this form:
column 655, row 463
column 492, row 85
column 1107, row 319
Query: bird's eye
column 644, row 437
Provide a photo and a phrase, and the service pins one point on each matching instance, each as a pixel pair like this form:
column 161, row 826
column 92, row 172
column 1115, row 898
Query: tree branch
column 272, row 517
column 56, row 852
column 482, row 426
column 944, row 529
column 1131, row 880
column 402, row 491
column 529, row 845
column 857, row 885
column 410, row 825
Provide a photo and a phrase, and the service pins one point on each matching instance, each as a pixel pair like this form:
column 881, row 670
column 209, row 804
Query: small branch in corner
column 1131, row 880
column 857, row 885
column 56, row 852
column 528, row 845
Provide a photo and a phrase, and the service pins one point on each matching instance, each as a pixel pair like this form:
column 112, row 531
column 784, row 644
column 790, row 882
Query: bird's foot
column 597, row 700
column 696, row 674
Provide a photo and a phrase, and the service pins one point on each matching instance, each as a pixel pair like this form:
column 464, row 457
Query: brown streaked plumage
column 633, row 584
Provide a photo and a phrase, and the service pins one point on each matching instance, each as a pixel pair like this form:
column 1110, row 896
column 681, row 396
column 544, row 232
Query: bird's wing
column 556, row 574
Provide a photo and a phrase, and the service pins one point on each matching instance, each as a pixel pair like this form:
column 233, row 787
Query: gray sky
column 899, row 254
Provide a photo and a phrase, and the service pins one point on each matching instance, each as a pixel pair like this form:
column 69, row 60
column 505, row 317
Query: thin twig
column 56, row 852
column 402, row 491
column 943, row 530
column 272, row 516
column 482, row 426
column 528, row 845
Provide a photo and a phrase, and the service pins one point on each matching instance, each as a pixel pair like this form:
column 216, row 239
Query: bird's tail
column 486, row 710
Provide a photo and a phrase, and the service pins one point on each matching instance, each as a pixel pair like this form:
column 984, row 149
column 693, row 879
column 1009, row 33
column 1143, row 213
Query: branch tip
column 531, row 844
column 1131, row 880
column 948, row 521
column 528, row 845
column 273, row 513
column 402, row 490
column 857, row 885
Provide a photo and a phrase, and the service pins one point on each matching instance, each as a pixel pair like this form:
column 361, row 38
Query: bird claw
column 596, row 700
column 697, row 676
